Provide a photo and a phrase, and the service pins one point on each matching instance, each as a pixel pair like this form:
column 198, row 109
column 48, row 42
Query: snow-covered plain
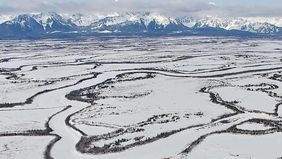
column 146, row 98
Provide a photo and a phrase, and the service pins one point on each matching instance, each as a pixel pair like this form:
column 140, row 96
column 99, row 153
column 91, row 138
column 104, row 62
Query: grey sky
column 171, row 7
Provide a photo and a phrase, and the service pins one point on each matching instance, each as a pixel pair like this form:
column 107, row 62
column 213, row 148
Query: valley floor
column 141, row 98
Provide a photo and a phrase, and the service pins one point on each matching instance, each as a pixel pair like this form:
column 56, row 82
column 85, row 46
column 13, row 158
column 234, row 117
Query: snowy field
column 141, row 98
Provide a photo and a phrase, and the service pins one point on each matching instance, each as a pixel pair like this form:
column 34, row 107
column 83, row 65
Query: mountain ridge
column 134, row 23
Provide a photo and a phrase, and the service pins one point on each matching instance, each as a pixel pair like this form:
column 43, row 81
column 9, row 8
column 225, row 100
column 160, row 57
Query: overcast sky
column 171, row 7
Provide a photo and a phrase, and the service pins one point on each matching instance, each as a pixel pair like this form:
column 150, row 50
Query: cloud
column 163, row 6
column 169, row 7
column 212, row 3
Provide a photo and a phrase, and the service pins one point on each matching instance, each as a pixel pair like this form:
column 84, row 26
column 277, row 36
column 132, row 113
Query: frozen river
column 141, row 98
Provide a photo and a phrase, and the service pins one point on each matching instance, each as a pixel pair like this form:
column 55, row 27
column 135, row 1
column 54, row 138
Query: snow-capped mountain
column 137, row 22
column 35, row 25
column 81, row 19
column 46, row 24
column 21, row 24
column 53, row 22
column 242, row 24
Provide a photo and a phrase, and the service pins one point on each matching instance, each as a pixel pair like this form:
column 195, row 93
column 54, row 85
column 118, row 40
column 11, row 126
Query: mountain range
column 45, row 25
